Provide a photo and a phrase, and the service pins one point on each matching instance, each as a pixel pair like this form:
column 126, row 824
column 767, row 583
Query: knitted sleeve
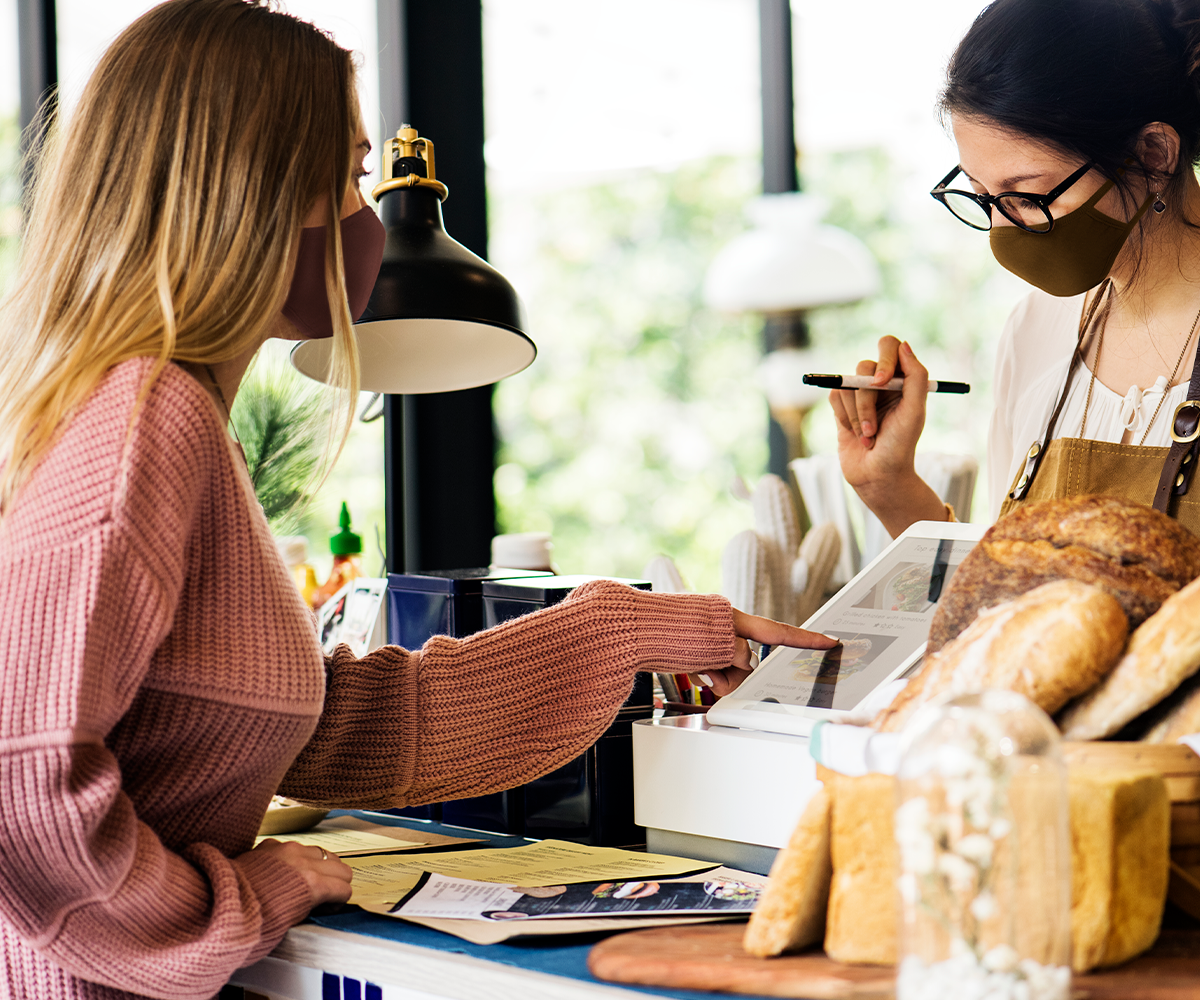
column 91, row 567
column 465, row 717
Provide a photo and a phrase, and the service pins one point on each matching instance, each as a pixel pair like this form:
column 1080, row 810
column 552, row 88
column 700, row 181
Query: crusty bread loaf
column 790, row 914
column 1182, row 720
column 1162, row 654
column 1134, row 552
column 1120, row 847
column 861, row 926
column 1051, row 645
column 1120, row 828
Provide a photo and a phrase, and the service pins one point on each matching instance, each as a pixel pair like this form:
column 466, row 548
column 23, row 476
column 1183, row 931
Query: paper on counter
column 550, row 862
column 494, row 932
column 723, row 891
column 350, row 836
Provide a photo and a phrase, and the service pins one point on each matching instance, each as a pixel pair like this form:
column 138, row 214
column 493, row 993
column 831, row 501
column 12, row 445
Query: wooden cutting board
column 710, row 957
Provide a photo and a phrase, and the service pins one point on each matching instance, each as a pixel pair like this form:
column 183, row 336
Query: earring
column 1159, row 205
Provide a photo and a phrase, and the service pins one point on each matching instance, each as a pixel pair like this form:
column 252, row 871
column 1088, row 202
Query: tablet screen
column 882, row 618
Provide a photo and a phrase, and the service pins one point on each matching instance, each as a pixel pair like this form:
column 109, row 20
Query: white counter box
column 717, row 793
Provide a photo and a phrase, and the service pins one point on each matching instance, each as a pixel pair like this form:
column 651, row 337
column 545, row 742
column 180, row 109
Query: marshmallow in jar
column 982, row 830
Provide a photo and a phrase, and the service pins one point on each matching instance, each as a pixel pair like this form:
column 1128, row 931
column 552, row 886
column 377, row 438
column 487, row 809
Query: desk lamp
column 440, row 318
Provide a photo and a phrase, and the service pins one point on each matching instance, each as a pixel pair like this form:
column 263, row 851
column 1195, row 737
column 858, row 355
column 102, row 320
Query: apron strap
column 1033, row 458
column 1185, row 440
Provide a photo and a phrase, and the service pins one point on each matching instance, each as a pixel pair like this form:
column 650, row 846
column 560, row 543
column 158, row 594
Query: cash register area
column 666, row 784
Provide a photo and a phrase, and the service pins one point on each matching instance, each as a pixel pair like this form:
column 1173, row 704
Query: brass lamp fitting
column 407, row 145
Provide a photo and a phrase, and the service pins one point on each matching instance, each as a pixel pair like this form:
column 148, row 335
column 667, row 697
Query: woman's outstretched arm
column 465, row 717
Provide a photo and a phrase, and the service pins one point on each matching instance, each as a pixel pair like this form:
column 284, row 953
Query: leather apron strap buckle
column 1033, row 458
column 1187, row 468
column 1180, row 465
column 1185, row 425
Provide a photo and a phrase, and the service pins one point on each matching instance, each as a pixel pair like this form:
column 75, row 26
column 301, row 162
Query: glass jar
column 982, row 829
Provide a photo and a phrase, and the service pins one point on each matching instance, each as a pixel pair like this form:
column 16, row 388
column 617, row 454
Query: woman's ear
column 1158, row 148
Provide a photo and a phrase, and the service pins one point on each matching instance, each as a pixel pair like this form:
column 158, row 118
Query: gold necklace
column 1161, row 399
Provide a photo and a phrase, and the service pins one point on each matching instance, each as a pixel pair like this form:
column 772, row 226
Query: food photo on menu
column 826, row 673
column 906, row 590
column 445, row 896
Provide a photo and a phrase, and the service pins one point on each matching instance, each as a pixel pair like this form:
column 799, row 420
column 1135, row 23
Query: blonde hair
column 166, row 211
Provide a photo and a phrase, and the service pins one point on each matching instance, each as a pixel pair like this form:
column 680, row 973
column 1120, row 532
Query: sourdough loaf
column 1135, row 553
column 1051, row 644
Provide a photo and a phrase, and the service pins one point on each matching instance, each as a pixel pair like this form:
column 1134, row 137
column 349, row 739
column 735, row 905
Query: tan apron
column 1157, row 477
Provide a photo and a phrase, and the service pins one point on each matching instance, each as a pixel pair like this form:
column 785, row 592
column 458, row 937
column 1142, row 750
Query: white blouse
column 1031, row 366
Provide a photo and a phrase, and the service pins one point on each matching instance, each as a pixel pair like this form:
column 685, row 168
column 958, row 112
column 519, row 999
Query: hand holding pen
column 861, row 410
column 877, row 437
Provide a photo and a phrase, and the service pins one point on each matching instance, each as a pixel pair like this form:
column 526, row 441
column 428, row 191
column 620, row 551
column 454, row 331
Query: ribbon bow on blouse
column 1137, row 405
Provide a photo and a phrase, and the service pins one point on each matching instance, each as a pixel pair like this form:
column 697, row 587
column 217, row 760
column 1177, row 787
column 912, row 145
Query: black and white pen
column 867, row 382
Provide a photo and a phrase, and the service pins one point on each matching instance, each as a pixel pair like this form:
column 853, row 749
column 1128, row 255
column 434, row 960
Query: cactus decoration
column 776, row 523
column 664, row 576
column 746, row 576
column 813, row 569
column 770, row 571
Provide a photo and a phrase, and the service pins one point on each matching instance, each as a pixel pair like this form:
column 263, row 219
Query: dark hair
column 1084, row 76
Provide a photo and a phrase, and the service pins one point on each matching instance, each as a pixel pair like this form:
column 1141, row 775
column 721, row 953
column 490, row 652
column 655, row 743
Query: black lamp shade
column 439, row 319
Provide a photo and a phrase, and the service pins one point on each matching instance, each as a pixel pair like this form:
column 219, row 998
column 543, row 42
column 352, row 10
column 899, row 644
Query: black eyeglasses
column 1030, row 212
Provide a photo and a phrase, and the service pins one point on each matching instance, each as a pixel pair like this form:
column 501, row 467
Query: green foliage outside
column 643, row 406
column 624, row 436
column 10, row 197
column 293, row 493
column 276, row 421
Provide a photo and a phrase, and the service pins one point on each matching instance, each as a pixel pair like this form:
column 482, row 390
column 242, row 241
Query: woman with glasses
column 1078, row 131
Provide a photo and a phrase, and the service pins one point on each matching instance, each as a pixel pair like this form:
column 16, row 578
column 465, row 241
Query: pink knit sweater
column 161, row 679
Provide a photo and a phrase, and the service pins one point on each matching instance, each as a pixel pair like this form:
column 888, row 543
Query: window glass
column 873, row 144
column 619, row 162
column 85, row 28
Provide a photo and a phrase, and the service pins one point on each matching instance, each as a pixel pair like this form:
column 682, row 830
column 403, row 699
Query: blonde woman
column 160, row 677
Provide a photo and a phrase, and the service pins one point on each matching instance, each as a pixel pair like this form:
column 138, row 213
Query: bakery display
column 1043, row 606
column 1137, row 554
column 1015, row 617
column 1182, row 720
column 1051, row 644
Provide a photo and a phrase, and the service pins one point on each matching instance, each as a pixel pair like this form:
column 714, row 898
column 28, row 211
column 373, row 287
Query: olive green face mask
column 1075, row 255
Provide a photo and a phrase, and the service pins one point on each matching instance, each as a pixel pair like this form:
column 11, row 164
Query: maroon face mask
column 307, row 304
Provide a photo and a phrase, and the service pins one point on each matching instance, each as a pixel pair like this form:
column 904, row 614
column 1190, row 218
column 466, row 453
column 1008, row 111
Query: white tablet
column 882, row 617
